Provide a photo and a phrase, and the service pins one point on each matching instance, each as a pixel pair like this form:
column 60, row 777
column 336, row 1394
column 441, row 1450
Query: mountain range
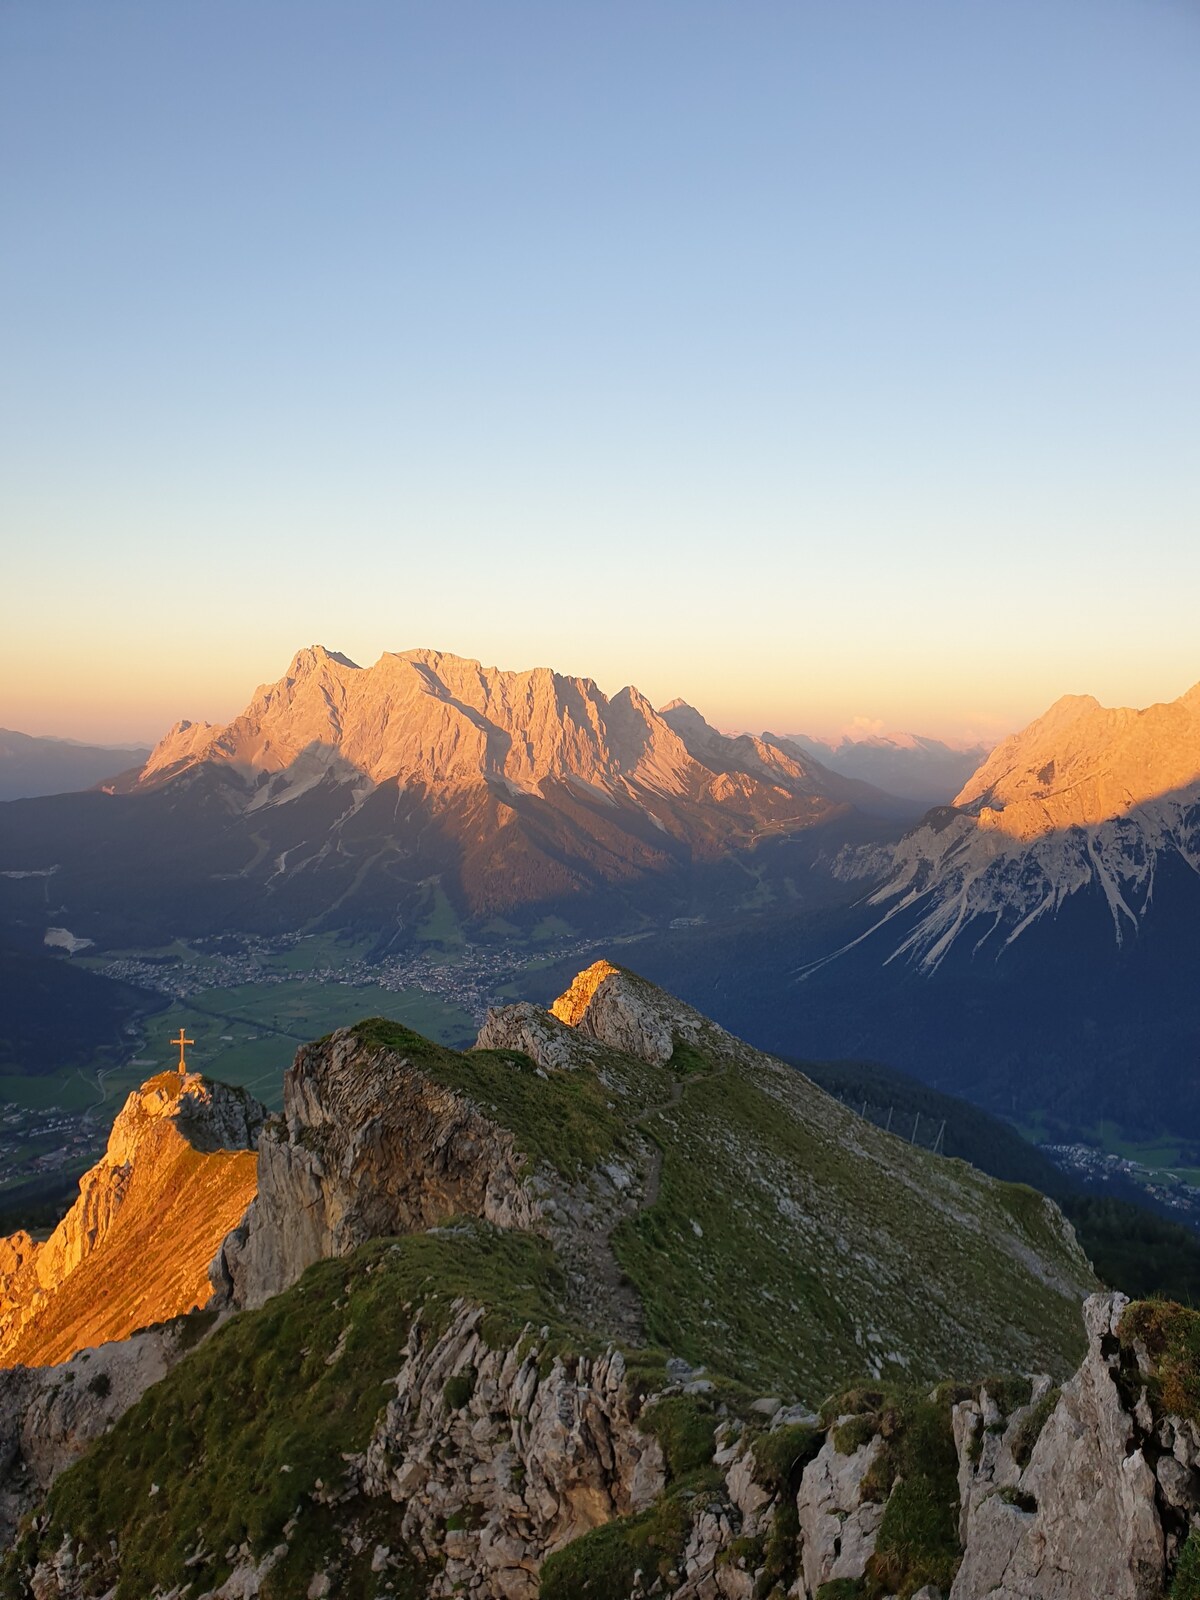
column 1027, row 945
column 368, row 795
column 907, row 764
column 32, row 766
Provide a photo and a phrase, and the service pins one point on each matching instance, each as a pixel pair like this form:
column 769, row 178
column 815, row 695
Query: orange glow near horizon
column 134, row 695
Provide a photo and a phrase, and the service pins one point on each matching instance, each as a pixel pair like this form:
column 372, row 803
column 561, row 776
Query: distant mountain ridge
column 31, row 765
column 1085, row 799
column 910, row 765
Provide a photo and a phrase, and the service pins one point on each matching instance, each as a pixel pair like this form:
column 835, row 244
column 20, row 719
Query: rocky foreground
column 561, row 1317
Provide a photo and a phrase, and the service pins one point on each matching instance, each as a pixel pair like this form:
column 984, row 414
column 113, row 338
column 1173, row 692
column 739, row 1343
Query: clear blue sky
column 813, row 360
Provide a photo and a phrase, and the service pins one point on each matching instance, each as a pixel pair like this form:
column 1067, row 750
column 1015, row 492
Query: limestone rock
column 135, row 1247
column 368, row 1145
column 1082, row 1519
column 536, row 1033
column 49, row 1415
column 623, row 1012
column 837, row 1527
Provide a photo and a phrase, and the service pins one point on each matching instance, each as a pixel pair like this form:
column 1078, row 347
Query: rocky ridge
column 517, row 1469
column 481, row 1412
column 178, row 1173
column 1086, row 800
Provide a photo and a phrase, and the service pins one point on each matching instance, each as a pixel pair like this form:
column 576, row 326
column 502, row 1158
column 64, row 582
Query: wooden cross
column 181, row 1041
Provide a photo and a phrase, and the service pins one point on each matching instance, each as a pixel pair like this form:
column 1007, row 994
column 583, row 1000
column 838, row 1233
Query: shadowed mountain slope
column 348, row 795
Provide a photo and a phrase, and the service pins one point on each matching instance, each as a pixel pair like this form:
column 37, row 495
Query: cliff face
column 508, row 1465
column 369, row 1145
column 135, row 1248
column 50, row 1415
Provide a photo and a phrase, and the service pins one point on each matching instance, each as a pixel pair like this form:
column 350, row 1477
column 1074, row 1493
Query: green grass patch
column 1170, row 1335
column 70, row 1090
column 684, row 1426
column 781, row 1455
column 601, row 1565
column 1029, row 1429
column 439, row 923
column 1185, row 1583
column 248, row 1424
column 917, row 1541
column 761, row 1188
column 459, row 1389
column 567, row 1118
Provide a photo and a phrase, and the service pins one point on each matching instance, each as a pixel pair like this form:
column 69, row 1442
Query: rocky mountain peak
column 177, row 1174
column 317, row 656
column 1087, row 798
column 1082, row 764
column 624, row 1012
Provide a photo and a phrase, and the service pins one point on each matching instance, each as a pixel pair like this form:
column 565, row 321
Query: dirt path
column 603, row 1294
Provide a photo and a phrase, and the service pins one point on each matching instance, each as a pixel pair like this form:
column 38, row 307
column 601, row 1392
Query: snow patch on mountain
column 1084, row 798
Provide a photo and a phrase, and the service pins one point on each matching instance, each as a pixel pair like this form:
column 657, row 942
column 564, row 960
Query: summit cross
column 181, row 1041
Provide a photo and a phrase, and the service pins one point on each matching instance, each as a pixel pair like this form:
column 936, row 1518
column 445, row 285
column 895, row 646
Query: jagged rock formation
column 508, row 1467
column 1084, row 799
column 378, row 795
column 135, row 1248
column 50, row 1415
column 368, row 1146
column 540, row 1451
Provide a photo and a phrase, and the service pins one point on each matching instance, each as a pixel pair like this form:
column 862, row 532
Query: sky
column 829, row 363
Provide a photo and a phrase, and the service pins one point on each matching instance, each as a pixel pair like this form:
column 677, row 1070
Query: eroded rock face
column 368, row 1145
column 543, row 1037
column 623, row 1012
column 49, row 1415
column 178, row 1173
column 532, row 1459
column 837, row 1525
column 1083, row 1516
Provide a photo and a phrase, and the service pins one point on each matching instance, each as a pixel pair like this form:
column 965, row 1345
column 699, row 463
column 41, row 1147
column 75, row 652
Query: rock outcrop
column 135, row 1248
column 369, row 1144
column 1078, row 1508
column 540, row 1450
column 50, row 1415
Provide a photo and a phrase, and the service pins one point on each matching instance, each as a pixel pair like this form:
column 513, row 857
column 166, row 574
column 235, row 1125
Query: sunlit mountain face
column 350, row 796
column 1031, row 945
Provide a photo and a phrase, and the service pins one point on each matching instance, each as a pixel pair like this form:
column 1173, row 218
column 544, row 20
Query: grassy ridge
column 1132, row 1248
column 243, row 1431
